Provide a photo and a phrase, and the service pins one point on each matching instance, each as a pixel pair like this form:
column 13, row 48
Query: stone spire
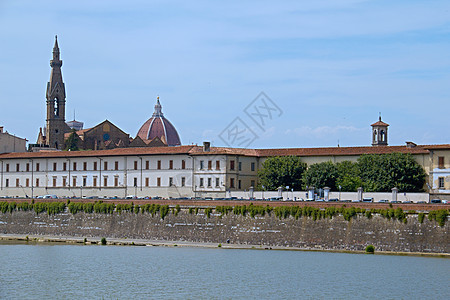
column 56, row 103
column 158, row 109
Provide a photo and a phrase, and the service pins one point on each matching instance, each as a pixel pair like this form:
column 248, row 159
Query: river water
column 126, row 272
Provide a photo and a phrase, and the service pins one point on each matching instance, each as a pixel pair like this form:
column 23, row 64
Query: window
column 37, row 182
column 7, row 167
column 201, row 182
column 94, row 181
column 253, row 166
column 17, row 182
column 158, row 181
column 7, row 183
column 170, row 164
column 27, row 182
column 232, row 165
column 170, row 181
column 37, row 167
column 116, row 165
column 74, row 181
column 54, row 181
column 201, row 164
column 135, row 165
column 239, row 184
column 209, row 165
column 252, row 183
column 95, row 166
column 240, row 166
column 135, row 181
column 159, row 165
column 64, row 166
column 217, row 164
column 17, row 167
column 116, row 181
column 147, row 164
column 85, row 166
column 105, row 165
column 55, row 166
column 84, row 181
column 28, row 167
column 183, row 181
column 64, row 181
column 74, row 166
column 441, row 162
column 105, row 181
column 183, row 164
column 217, row 182
column 209, row 182
column 441, row 182
column 147, row 181
column 231, row 182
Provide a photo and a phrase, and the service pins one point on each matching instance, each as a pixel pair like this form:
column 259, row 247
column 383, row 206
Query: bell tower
column 56, row 103
column 380, row 133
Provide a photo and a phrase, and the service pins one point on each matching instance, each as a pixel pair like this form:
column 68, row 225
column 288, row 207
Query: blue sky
column 330, row 66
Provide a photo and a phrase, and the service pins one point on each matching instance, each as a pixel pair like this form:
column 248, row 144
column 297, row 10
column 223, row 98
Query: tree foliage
column 382, row 172
column 348, row 176
column 321, row 175
column 72, row 142
column 281, row 171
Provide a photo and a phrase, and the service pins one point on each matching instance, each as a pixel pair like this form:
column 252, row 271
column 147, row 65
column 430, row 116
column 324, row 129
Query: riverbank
column 38, row 239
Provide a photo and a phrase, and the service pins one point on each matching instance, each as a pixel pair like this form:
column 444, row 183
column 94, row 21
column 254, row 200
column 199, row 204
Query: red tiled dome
column 159, row 126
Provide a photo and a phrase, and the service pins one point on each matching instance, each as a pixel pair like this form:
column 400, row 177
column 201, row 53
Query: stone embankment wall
column 267, row 231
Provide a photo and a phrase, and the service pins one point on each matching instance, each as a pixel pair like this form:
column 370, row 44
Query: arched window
column 56, row 110
column 383, row 136
column 375, row 135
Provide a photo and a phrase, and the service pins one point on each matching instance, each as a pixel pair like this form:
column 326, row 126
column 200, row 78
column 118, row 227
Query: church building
column 155, row 132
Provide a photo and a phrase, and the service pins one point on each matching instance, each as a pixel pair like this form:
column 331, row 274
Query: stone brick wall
column 326, row 234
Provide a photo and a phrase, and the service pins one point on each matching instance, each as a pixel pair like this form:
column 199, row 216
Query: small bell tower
column 56, row 103
column 380, row 133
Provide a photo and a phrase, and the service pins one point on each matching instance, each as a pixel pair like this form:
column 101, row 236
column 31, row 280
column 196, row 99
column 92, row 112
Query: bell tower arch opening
column 380, row 133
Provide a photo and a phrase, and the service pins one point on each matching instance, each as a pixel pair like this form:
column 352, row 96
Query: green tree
column 348, row 176
column 382, row 172
column 281, row 171
column 321, row 175
column 72, row 141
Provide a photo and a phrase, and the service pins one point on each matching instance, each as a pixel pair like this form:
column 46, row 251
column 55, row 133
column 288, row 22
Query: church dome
column 159, row 126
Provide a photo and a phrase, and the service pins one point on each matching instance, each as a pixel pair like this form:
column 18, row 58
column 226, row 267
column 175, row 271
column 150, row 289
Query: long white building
column 180, row 171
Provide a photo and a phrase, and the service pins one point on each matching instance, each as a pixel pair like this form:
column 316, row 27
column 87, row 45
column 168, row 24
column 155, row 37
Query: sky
column 326, row 68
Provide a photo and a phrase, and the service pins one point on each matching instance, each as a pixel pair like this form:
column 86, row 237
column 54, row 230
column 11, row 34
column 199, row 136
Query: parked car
column 367, row 200
column 346, row 200
column 436, row 201
column 409, row 202
column 396, row 201
column 50, row 197
column 333, row 200
column 444, row 201
column 421, row 202
column 357, row 200
column 383, row 201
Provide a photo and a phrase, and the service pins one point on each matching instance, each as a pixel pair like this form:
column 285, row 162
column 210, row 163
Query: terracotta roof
column 332, row 151
column 437, row 147
column 198, row 150
column 96, row 153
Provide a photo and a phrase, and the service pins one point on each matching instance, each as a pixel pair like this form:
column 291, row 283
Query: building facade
column 11, row 143
column 180, row 171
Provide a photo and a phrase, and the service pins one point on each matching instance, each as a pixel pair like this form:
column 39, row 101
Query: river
column 57, row 271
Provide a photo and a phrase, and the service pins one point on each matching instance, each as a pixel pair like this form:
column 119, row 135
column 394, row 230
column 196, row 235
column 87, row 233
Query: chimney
column 206, row 146
column 410, row 144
